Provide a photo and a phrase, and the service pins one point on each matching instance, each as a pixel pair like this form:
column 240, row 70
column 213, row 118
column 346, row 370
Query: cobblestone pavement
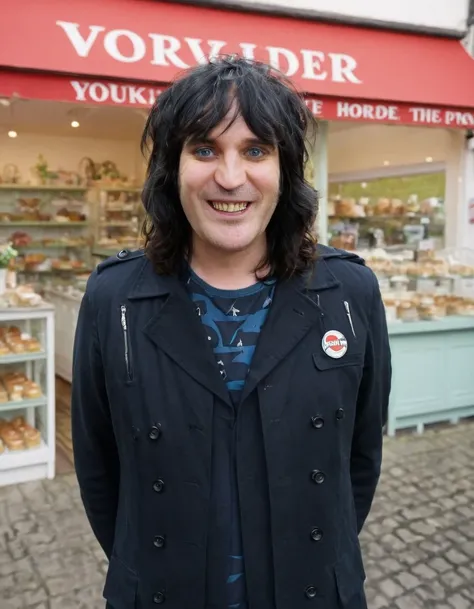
column 418, row 544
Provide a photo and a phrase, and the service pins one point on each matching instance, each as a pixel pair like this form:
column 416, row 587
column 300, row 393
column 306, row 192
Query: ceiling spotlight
column 75, row 124
column 386, row 163
column 12, row 133
column 429, row 159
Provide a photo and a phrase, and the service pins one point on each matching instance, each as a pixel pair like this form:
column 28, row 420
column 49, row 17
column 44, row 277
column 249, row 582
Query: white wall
column 445, row 14
column 66, row 153
column 359, row 148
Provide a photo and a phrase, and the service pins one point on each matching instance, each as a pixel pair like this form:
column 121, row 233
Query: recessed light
column 363, row 184
column 75, row 124
column 12, row 133
column 429, row 159
column 386, row 163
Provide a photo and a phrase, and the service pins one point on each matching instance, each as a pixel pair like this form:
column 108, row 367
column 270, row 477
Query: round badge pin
column 334, row 344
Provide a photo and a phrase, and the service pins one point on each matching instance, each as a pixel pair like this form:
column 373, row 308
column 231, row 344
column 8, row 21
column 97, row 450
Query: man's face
column 229, row 187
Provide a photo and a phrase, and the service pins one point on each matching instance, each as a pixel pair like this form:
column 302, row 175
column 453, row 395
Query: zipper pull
column 123, row 317
column 349, row 316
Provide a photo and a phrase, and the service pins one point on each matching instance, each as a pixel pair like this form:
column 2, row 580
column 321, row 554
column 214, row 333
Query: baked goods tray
column 21, row 404
column 16, row 358
column 23, row 458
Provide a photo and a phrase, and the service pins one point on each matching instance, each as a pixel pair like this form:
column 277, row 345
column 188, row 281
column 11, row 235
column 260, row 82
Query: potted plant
column 7, row 254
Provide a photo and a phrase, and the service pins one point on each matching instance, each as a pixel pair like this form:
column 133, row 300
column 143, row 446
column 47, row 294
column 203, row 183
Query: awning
column 148, row 41
column 106, row 92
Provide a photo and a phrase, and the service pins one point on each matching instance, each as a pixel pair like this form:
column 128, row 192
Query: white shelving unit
column 67, row 310
column 34, row 463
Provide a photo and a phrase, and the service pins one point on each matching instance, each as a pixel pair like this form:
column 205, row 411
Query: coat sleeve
column 95, row 451
column 372, row 410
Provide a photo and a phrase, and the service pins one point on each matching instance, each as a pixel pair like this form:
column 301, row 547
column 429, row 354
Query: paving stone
column 408, row 602
column 424, row 572
column 408, row 581
column 460, row 602
column 452, row 580
column 391, row 589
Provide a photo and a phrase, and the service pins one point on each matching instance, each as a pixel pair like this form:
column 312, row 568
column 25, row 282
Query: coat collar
column 148, row 284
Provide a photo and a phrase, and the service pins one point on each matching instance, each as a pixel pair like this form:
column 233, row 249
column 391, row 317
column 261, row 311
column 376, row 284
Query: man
column 231, row 382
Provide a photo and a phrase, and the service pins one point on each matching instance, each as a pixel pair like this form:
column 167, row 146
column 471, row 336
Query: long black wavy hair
column 191, row 108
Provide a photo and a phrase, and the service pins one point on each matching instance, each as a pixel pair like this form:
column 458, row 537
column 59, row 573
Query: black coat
column 309, row 436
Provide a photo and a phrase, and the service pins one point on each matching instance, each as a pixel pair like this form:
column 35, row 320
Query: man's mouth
column 229, row 207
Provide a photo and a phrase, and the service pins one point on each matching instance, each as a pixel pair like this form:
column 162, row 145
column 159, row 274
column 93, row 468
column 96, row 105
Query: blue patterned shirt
column 233, row 320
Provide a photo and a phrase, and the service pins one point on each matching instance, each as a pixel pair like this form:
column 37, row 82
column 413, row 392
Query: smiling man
column 231, row 381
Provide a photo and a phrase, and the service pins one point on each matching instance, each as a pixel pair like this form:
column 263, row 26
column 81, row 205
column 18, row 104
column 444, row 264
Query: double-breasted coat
column 308, row 435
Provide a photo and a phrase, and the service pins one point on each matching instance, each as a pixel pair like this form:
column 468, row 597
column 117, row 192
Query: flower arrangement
column 7, row 253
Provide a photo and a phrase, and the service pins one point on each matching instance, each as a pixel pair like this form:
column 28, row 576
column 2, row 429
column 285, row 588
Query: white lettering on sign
column 274, row 59
column 138, row 45
column 101, row 93
column 431, row 116
column 459, row 118
column 315, row 106
column 370, row 112
column 81, row 45
column 343, row 67
column 166, row 51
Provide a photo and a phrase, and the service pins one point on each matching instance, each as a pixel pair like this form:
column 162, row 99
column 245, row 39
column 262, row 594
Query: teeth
column 229, row 207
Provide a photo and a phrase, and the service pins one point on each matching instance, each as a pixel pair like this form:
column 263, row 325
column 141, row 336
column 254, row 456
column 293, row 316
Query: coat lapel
column 176, row 329
column 293, row 314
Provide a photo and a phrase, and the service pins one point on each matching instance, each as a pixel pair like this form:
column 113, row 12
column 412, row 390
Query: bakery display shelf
column 116, row 224
column 18, row 358
column 39, row 245
column 104, row 252
column 39, row 413
column 43, row 187
column 46, row 224
column 14, row 459
column 132, row 189
column 54, row 271
column 22, row 404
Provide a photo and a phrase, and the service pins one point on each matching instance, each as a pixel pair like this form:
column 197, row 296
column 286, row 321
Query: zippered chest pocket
column 127, row 348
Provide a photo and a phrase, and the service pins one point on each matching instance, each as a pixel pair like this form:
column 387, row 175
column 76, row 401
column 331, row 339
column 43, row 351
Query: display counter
column 433, row 372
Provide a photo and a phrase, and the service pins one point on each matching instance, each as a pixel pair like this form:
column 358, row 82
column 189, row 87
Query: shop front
column 76, row 82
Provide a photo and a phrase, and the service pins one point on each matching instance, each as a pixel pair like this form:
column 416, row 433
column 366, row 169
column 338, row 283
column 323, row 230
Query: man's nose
column 230, row 172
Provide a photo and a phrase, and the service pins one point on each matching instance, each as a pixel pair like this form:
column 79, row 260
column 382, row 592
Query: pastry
column 31, row 390
column 13, row 439
column 31, row 437
column 16, row 393
column 32, row 345
column 2, row 447
column 4, row 350
column 18, row 422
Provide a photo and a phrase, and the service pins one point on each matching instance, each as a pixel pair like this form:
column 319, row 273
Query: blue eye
column 255, row 152
column 204, row 153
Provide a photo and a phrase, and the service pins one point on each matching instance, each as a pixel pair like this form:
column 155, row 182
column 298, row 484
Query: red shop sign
column 115, row 93
column 150, row 41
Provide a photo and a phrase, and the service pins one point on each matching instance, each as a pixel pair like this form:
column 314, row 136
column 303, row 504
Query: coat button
column 317, row 422
column 158, row 486
column 159, row 541
column 155, row 432
column 316, row 534
column 159, row 598
column 122, row 254
column 340, row 414
column 311, row 592
column 318, row 477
